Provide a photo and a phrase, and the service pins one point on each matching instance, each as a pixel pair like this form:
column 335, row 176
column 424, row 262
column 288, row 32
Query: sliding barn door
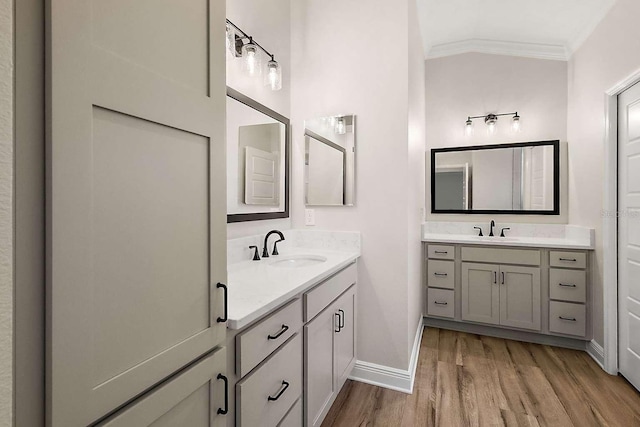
column 629, row 233
column 136, row 197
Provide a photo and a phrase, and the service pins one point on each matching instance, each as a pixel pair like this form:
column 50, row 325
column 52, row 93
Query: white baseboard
column 387, row 377
column 596, row 352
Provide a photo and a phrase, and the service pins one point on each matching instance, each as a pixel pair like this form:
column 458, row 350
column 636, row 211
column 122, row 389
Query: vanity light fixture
column 341, row 127
column 244, row 46
column 491, row 120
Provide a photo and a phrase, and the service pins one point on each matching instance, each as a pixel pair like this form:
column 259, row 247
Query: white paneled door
column 629, row 234
column 136, row 198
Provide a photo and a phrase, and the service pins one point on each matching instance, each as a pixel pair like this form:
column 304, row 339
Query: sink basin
column 297, row 261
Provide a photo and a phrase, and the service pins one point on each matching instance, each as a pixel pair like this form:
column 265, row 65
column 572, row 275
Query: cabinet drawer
column 568, row 259
column 254, row 345
column 441, row 252
column 322, row 295
column 567, row 318
column 440, row 303
column 264, row 396
column 501, row 256
column 441, row 274
column 568, row 285
column 191, row 398
column 294, row 417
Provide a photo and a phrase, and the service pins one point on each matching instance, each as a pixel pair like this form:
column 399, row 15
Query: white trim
column 610, row 224
column 497, row 47
column 387, row 377
column 596, row 352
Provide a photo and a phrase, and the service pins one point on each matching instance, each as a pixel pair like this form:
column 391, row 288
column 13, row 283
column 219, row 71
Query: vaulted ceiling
column 547, row 29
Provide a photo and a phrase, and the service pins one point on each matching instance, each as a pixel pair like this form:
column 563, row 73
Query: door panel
column 520, row 297
column 480, row 293
column 136, row 208
column 629, row 233
column 345, row 343
column 318, row 368
column 192, row 399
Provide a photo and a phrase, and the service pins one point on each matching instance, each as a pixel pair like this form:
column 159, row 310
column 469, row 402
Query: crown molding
column 590, row 27
column 496, row 47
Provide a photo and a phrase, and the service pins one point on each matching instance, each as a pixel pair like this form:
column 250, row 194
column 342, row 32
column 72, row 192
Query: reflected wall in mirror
column 257, row 160
column 329, row 164
column 521, row 178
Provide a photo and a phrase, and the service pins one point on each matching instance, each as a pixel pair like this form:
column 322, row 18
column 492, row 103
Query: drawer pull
column 568, row 259
column 567, row 285
column 569, row 319
column 284, row 329
column 226, row 303
column 440, row 274
column 440, row 303
column 442, row 252
column 283, row 388
column 226, row 395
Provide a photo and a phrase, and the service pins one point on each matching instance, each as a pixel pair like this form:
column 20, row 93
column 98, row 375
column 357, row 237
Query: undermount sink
column 297, row 261
column 495, row 239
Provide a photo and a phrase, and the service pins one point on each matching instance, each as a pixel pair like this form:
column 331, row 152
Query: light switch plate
column 309, row 217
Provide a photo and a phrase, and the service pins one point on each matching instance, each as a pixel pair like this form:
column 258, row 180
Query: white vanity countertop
column 537, row 242
column 256, row 287
column 555, row 236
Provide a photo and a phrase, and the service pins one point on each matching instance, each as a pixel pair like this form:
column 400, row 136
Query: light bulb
column 468, row 128
column 252, row 60
column 516, row 126
column 273, row 78
column 341, row 127
column 491, row 121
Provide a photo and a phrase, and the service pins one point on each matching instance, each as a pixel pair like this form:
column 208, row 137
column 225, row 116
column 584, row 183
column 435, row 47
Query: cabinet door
column 194, row 398
column 520, row 297
column 480, row 293
column 345, row 337
column 136, row 215
column 318, row 368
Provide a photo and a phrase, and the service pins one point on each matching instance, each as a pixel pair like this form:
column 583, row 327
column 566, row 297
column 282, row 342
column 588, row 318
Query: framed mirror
column 521, row 178
column 330, row 162
column 258, row 146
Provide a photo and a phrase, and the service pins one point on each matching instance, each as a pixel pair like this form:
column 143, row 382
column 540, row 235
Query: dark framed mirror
column 258, row 153
column 519, row 179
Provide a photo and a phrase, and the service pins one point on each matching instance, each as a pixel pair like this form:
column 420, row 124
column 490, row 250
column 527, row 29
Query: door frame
column 610, row 222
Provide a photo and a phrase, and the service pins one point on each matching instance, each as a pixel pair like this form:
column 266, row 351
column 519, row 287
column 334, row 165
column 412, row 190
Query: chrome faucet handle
column 479, row 231
column 256, row 257
column 502, row 231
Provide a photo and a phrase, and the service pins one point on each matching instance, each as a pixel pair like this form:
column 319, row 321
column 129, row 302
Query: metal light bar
column 246, row 36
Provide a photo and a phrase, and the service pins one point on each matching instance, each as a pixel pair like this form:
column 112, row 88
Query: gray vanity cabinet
column 345, row 337
column 480, row 293
column 520, row 297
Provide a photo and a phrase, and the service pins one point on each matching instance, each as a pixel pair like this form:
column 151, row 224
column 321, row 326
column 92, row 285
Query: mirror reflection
column 256, row 160
column 329, row 172
column 512, row 178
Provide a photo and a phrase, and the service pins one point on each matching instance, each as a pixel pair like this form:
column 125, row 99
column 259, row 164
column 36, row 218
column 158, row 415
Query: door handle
column 569, row 319
column 567, row 285
column 283, row 388
column 339, row 322
column 341, row 318
column 442, row 252
column 440, row 303
column 440, row 274
column 495, row 277
column 568, row 259
column 284, row 329
column 224, row 411
column 226, row 302
column 502, row 272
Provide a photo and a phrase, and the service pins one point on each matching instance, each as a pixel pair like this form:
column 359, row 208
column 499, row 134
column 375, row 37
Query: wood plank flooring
column 471, row 380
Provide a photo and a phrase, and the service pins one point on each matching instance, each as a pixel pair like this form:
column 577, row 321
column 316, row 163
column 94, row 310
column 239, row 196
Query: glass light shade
column 273, row 77
column 231, row 42
column 341, row 126
column 468, row 128
column 252, row 59
column 491, row 121
column 516, row 125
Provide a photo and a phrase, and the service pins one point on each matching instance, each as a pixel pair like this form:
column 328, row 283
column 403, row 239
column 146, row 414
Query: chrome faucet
column 493, row 224
column 265, row 250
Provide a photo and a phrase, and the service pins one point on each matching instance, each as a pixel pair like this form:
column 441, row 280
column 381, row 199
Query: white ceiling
column 548, row 29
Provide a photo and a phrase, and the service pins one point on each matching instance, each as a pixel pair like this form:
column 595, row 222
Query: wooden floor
column 472, row 380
